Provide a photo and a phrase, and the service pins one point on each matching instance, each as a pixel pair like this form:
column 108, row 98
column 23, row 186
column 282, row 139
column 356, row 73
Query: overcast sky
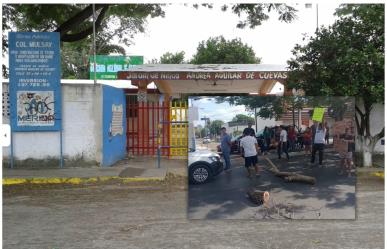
column 184, row 27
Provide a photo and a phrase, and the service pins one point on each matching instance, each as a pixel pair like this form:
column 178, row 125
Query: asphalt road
column 332, row 197
column 155, row 217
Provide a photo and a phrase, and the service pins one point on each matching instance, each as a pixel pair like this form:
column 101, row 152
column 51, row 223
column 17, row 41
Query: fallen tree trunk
column 289, row 176
column 284, row 174
column 300, row 178
column 273, row 168
column 259, row 197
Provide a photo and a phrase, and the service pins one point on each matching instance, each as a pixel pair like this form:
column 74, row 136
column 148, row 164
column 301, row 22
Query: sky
column 208, row 108
column 184, row 27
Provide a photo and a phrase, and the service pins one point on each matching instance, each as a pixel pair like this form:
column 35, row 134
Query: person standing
column 267, row 139
column 318, row 144
column 326, row 133
column 292, row 137
column 250, row 148
column 249, row 131
column 283, row 143
column 307, row 140
column 225, row 146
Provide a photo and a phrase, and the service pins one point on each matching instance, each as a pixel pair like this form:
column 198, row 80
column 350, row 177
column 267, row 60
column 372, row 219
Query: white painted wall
column 377, row 123
column 82, row 131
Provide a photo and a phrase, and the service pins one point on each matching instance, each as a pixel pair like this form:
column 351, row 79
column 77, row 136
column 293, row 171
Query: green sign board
column 107, row 66
column 318, row 114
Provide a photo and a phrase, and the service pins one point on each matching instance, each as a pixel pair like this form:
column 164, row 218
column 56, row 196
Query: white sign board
column 117, row 115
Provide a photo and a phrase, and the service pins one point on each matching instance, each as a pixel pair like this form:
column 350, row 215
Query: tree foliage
column 268, row 107
column 257, row 13
column 218, row 50
column 215, row 126
column 346, row 59
column 242, row 118
column 170, row 58
column 113, row 21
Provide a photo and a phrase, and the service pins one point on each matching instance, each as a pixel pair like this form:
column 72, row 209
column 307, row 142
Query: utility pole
column 255, row 119
column 317, row 15
column 94, row 48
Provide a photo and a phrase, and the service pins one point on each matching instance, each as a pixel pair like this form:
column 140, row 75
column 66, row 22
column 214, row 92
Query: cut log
column 259, row 197
column 300, row 178
column 285, row 174
column 289, row 176
column 272, row 166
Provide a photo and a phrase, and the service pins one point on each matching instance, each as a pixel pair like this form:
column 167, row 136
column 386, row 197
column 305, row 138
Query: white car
column 206, row 140
column 203, row 165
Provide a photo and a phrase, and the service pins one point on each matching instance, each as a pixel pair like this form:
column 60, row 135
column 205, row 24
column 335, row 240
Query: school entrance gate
column 155, row 124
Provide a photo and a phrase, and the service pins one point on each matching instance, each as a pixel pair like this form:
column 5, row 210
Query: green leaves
column 344, row 59
column 218, row 50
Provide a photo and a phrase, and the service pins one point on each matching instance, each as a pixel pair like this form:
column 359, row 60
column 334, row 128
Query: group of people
column 313, row 139
column 249, row 150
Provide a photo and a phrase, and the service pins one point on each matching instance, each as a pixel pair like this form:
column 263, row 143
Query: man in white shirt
column 318, row 143
column 250, row 147
column 283, row 143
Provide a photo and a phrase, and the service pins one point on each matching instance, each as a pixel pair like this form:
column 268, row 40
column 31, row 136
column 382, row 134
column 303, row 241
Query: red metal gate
column 147, row 126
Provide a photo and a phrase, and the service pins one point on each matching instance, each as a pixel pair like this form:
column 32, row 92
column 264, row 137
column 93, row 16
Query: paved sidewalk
column 135, row 169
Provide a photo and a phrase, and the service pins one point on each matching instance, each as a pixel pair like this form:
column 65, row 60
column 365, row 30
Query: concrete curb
column 77, row 180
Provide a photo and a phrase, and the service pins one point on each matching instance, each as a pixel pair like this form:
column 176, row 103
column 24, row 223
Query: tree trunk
column 367, row 146
column 301, row 178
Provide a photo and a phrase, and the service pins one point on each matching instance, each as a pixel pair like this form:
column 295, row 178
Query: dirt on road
column 155, row 216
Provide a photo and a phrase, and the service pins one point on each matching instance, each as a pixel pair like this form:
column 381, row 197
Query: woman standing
column 307, row 139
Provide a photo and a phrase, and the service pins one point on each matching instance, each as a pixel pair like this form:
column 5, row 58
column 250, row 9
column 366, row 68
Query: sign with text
column 318, row 114
column 117, row 117
column 34, row 80
column 132, row 75
column 108, row 66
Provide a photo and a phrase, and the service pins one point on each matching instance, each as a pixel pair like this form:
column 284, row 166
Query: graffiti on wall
column 35, row 108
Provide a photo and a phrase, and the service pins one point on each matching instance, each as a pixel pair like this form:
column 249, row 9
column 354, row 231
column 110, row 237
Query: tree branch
column 380, row 135
column 357, row 124
column 83, row 34
column 78, row 18
column 359, row 111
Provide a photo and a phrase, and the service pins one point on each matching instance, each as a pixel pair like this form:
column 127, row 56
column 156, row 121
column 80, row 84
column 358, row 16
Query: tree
column 75, row 24
column 268, row 107
column 215, row 127
column 218, row 50
column 346, row 59
column 243, row 119
column 113, row 21
column 256, row 13
column 170, row 58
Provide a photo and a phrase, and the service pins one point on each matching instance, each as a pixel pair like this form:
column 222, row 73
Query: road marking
column 76, row 180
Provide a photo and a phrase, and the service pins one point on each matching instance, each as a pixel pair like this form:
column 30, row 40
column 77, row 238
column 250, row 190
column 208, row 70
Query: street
column 332, row 197
column 154, row 216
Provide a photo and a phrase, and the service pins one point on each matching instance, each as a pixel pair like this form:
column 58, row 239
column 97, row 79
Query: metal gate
column 153, row 124
column 179, row 128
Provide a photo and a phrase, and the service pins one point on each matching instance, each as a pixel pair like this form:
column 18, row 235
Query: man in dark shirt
column 249, row 131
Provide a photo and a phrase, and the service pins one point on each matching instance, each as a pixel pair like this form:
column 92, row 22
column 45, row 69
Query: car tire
column 200, row 174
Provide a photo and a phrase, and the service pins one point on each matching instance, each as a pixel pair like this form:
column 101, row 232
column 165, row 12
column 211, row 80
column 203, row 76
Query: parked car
column 235, row 145
column 203, row 165
column 206, row 140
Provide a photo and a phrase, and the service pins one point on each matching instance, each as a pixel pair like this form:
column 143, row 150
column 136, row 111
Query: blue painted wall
column 114, row 147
